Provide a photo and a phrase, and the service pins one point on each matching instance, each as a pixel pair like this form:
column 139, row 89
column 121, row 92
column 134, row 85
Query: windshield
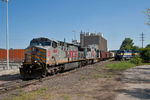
column 40, row 43
column 46, row 43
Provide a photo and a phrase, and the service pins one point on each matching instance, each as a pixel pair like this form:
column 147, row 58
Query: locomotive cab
column 34, row 64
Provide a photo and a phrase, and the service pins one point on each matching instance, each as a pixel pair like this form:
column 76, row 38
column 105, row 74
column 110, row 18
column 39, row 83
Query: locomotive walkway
column 137, row 84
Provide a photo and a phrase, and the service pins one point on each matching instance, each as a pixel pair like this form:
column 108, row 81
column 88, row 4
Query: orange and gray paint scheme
column 55, row 56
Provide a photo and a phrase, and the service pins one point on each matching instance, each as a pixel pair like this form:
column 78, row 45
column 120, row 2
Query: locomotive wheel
column 55, row 71
column 80, row 64
column 52, row 72
column 22, row 73
column 44, row 74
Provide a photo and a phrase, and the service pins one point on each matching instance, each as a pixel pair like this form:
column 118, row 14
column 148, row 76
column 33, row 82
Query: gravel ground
column 92, row 82
column 137, row 84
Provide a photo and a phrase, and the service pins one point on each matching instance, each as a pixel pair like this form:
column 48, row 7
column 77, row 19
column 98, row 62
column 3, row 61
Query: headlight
column 33, row 49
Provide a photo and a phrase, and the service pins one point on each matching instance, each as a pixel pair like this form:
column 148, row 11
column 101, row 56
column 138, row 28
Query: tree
column 135, row 48
column 148, row 46
column 147, row 13
column 127, row 44
column 145, row 54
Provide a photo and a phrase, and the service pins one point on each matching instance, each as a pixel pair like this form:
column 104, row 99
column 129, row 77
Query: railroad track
column 6, row 87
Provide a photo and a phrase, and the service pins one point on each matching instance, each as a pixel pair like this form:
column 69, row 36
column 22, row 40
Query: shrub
column 145, row 54
column 136, row 60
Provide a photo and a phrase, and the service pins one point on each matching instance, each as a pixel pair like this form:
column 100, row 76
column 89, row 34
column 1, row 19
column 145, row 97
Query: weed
column 82, row 78
column 80, row 94
column 66, row 97
column 31, row 95
column 106, row 75
column 96, row 76
column 94, row 97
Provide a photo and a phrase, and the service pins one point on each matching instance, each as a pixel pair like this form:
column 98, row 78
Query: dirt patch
column 92, row 82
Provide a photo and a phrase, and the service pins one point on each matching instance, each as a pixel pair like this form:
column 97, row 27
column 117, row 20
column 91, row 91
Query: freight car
column 15, row 55
column 46, row 56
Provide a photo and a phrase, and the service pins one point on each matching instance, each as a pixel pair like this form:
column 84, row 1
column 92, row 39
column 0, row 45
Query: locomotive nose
column 30, row 53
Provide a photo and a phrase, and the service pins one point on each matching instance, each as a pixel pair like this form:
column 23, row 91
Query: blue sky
column 56, row 19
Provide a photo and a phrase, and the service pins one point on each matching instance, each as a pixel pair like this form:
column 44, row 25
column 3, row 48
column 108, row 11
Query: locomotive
column 46, row 56
column 126, row 54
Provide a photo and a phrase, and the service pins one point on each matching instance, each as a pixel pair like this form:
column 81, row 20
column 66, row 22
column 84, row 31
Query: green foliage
column 119, row 66
column 135, row 48
column 148, row 46
column 136, row 60
column 145, row 54
column 113, row 51
column 147, row 13
column 127, row 44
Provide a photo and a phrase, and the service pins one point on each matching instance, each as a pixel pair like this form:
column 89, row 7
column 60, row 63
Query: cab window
column 46, row 43
column 54, row 44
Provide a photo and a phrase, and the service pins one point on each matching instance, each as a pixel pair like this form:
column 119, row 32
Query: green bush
column 136, row 60
column 145, row 54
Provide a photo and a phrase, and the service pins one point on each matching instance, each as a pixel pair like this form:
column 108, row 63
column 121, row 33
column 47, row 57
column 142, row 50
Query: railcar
column 135, row 53
column 112, row 54
column 126, row 54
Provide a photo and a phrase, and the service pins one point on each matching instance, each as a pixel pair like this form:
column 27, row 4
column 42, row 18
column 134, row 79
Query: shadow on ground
column 140, row 75
column 9, row 77
column 136, row 93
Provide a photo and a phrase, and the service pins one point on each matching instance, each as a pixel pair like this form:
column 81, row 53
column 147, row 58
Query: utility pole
column 74, row 34
column 142, row 38
column 7, row 45
column 7, row 36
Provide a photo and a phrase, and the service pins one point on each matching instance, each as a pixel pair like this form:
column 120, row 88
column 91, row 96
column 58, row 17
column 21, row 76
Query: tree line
column 128, row 44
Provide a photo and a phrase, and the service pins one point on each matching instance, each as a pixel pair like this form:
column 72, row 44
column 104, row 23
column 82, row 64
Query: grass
column 66, row 97
column 33, row 95
column 96, row 76
column 82, row 78
column 119, row 66
column 94, row 97
column 107, row 75
column 145, row 64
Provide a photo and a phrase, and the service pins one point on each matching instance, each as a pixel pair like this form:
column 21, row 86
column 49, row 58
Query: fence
column 16, row 57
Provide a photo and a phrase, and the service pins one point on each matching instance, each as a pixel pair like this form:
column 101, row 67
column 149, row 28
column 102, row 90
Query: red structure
column 104, row 55
column 15, row 55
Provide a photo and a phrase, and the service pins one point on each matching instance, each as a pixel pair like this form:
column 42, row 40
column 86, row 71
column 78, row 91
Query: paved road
column 137, row 84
